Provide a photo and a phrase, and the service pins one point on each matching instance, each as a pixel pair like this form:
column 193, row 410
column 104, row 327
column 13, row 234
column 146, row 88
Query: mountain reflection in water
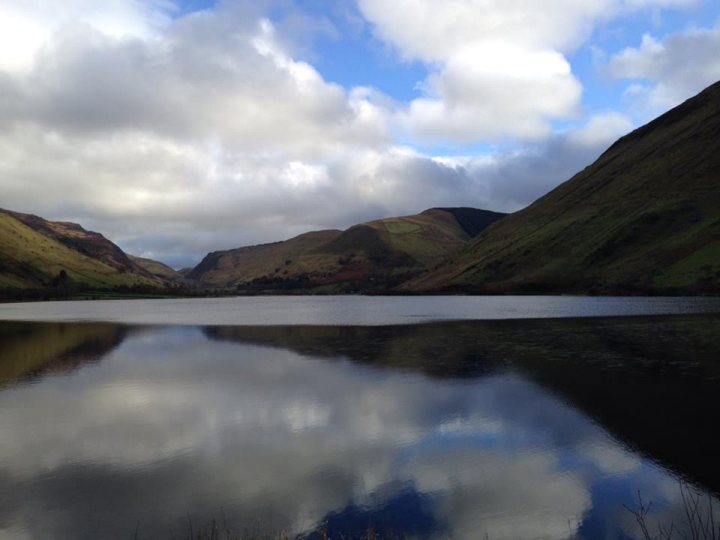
column 517, row 429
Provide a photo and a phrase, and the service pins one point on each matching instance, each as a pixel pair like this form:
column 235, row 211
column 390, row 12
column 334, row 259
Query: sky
column 177, row 127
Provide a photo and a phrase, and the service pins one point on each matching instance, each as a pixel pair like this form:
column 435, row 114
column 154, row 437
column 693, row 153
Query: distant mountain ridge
column 370, row 256
column 39, row 254
column 644, row 218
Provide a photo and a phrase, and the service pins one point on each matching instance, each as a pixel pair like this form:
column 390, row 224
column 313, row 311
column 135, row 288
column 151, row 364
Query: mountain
column 645, row 217
column 37, row 254
column 157, row 268
column 370, row 256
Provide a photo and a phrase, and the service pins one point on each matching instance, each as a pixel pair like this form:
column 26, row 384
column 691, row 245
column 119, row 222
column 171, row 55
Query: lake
column 440, row 417
column 350, row 310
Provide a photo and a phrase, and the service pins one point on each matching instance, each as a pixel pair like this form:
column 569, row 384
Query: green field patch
column 401, row 227
column 702, row 265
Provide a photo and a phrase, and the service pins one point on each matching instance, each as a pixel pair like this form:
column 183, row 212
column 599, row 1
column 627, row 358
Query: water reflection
column 28, row 351
column 540, row 429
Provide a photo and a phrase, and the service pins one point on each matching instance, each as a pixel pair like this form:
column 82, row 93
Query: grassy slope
column 72, row 235
column 29, row 259
column 222, row 268
column 427, row 238
column 382, row 249
column 156, row 268
column 644, row 217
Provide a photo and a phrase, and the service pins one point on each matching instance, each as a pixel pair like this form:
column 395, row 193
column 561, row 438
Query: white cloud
column 177, row 136
column 602, row 129
column 495, row 90
column 209, row 123
column 177, row 200
column 25, row 26
column 675, row 68
column 498, row 67
column 206, row 78
column 433, row 32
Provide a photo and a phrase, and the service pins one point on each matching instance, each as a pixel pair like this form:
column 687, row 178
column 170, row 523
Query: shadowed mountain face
column 36, row 253
column 651, row 381
column 370, row 256
column 644, row 217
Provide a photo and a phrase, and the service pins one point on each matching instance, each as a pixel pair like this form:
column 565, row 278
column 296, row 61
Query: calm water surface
column 349, row 310
column 512, row 428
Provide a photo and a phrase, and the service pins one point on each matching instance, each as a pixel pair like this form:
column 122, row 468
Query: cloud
column 208, row 121
column 428, row 31
column 509, row 180
column 206, row 78
column 498, row 68
column 601, row 129
column 177, row 200
column 670, row 70
column 177, row 134
column 494, row 91
column 25, row 26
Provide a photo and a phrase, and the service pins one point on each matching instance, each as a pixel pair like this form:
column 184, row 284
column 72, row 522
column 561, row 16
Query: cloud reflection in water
column 171, row 423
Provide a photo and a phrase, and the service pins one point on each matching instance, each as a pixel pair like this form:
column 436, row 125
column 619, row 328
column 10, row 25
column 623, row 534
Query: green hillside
column 369, row 256
column 30, row 259
column 156, row 268
column 645, row 217
column 242, row 265
column 72, row 235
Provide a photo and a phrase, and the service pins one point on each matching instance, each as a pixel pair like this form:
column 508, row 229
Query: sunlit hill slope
column 38, row 254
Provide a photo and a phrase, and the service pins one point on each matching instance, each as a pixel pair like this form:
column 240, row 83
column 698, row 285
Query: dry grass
column 699, row 521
